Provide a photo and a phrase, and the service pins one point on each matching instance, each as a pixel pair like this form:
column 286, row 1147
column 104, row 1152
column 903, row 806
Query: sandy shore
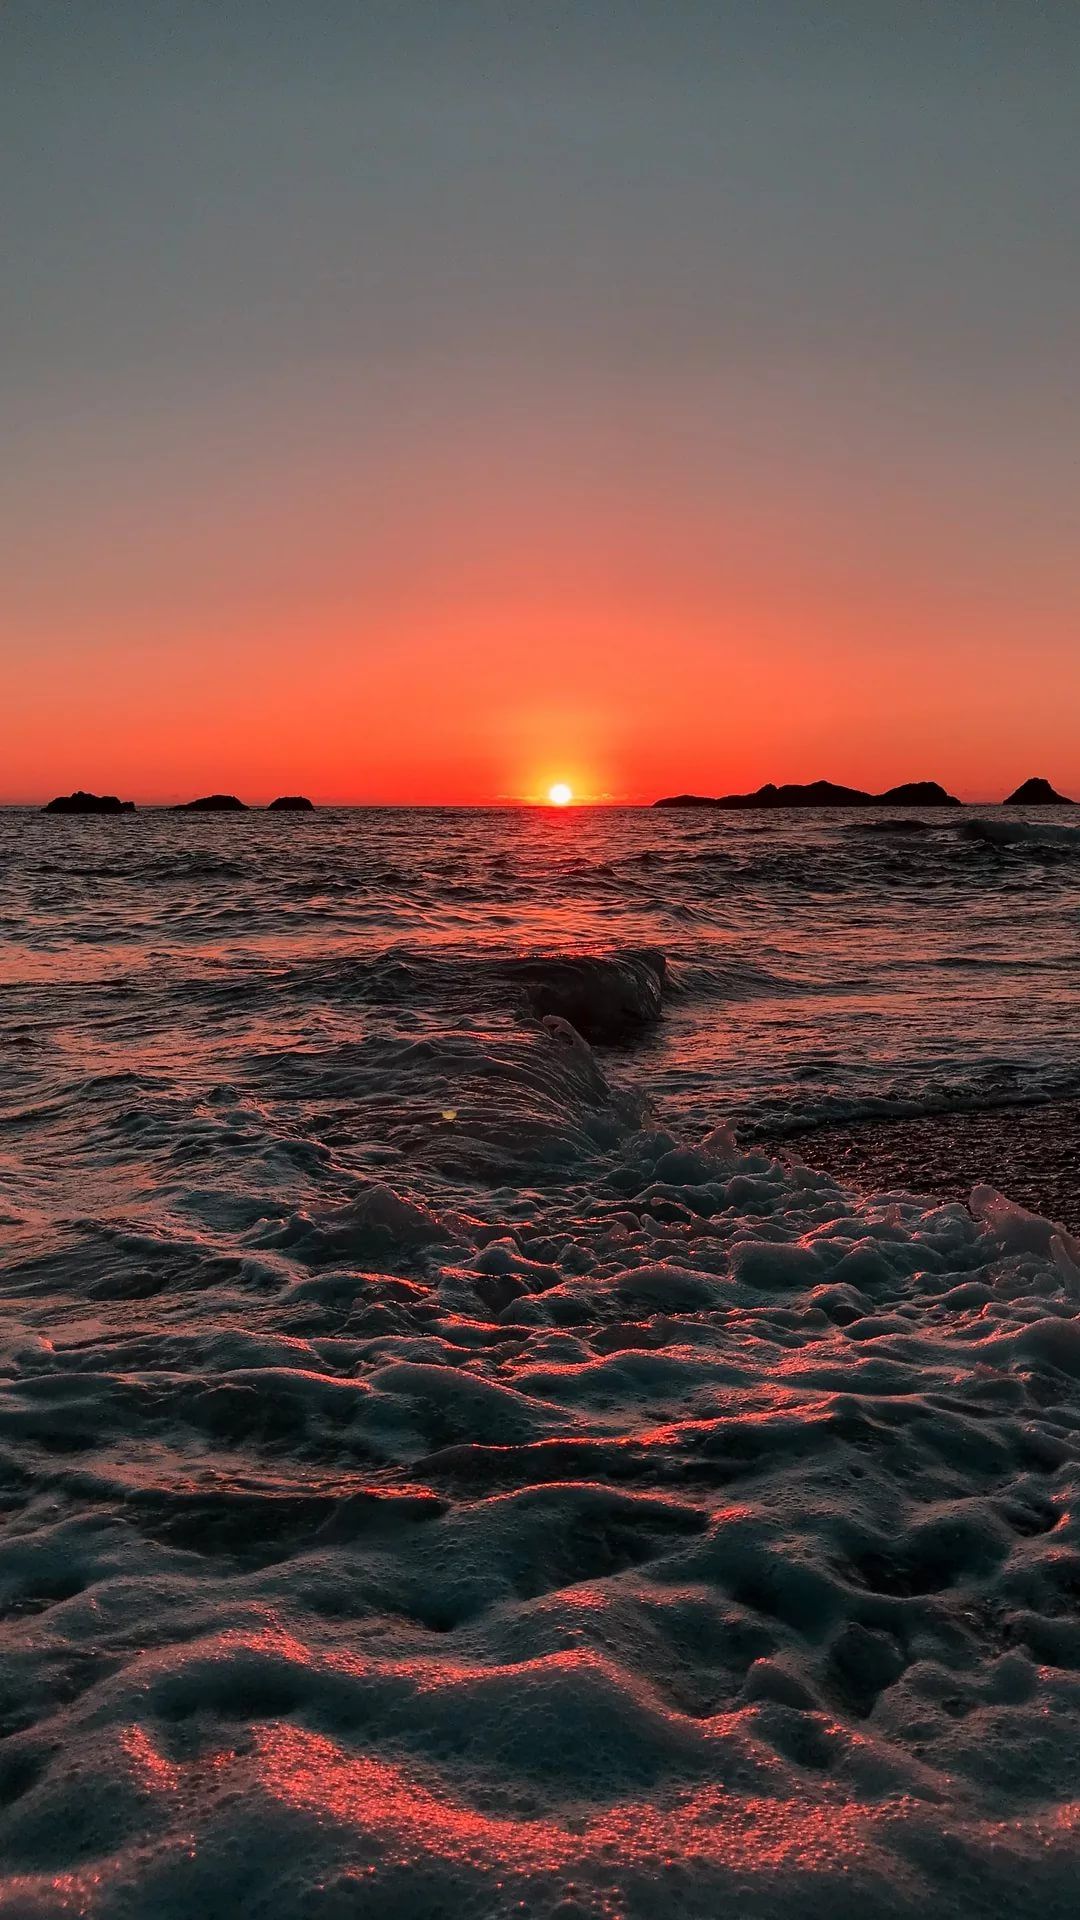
column 1030, row 1153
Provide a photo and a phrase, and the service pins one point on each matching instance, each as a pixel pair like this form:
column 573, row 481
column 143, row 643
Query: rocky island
column 212, row 803
column 1037, row 793
column 81, row 802
column 823, row 793
column 291, row 803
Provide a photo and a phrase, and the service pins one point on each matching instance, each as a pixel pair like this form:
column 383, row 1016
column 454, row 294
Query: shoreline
column 1029, row 1153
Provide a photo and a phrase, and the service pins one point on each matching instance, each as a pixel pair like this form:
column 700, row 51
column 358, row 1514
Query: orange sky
column 490, row 602
column 663, row 416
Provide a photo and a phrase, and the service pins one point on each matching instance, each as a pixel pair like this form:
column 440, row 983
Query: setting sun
column 560, row 794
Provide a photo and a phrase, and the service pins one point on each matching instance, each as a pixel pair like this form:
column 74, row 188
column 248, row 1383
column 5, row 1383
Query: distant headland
column 823, row 793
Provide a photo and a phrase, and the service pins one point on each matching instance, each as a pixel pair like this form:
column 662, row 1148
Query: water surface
column 445, row 1468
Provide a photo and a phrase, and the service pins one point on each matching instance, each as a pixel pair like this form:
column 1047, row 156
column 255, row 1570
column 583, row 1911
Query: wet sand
column 1032, row 1154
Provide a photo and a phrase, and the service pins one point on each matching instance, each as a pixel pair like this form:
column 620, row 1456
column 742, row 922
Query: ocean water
column 446, row 1465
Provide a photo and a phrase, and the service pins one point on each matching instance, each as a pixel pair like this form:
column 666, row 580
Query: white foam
column 733, row 1560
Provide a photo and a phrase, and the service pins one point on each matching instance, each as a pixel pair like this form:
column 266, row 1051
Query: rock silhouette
column 81, row 802
column 823, row 793
column 916, row 793
column 212, row 803
column 291, row 803
column 1037, row 793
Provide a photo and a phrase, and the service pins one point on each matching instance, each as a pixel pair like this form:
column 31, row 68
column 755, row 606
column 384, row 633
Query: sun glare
column 560, row 794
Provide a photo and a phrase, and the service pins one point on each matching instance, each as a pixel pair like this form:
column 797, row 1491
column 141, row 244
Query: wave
column 1023, row 833
column 606, row 997
column 984, row 1091
column 906, row 825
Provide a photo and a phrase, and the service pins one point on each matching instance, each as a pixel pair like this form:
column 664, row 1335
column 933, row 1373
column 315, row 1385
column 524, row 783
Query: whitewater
column 458, row 1454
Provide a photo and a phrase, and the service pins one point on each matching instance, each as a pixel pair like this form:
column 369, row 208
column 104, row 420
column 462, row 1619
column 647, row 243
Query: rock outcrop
column 213, row 803
column 823, row 793
column 1037, row 793
column 687, row 800
column 917, row 793
column 81, row 802
column 291, row 803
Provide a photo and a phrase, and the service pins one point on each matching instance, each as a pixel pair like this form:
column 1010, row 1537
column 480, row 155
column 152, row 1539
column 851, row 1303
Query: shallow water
column 442, row 1470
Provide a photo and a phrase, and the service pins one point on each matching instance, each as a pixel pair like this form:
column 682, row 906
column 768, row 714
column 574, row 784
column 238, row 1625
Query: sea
column 459, row 1456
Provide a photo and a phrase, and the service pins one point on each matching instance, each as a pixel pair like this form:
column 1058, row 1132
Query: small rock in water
column 213, row 803
column 1036, row 793
column 80, row 802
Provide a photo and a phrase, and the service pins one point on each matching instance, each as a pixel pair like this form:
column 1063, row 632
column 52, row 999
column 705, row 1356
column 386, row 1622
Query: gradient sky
column 428, row 399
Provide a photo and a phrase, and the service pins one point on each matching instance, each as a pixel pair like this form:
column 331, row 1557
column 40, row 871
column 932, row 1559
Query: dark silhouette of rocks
column 81, row 802
column 687, row 800
column 291, row 803
column 823, row 793
column 213, row 803
column 1037, row 793
column 816, row 793
column 916, row 793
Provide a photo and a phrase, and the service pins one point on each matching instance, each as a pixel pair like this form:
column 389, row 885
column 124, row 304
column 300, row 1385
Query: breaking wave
column 1024, row 833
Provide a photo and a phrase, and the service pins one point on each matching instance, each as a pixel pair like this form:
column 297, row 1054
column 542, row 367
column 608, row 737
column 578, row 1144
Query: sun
column 560, row 794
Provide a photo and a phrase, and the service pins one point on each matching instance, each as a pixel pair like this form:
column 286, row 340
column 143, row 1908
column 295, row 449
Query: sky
column 428, row 400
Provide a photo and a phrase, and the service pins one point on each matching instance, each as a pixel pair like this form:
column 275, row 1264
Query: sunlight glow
column 560, row 794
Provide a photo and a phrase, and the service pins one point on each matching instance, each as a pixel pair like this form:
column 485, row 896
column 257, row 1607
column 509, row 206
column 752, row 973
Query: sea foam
column 732, row 1558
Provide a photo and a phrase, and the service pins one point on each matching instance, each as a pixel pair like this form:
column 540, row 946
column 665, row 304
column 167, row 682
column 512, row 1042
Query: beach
column 1030, row 1153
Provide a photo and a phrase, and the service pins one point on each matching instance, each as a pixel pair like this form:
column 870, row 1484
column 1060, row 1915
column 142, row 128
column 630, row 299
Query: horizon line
column 513, row 802
column 538, row 805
